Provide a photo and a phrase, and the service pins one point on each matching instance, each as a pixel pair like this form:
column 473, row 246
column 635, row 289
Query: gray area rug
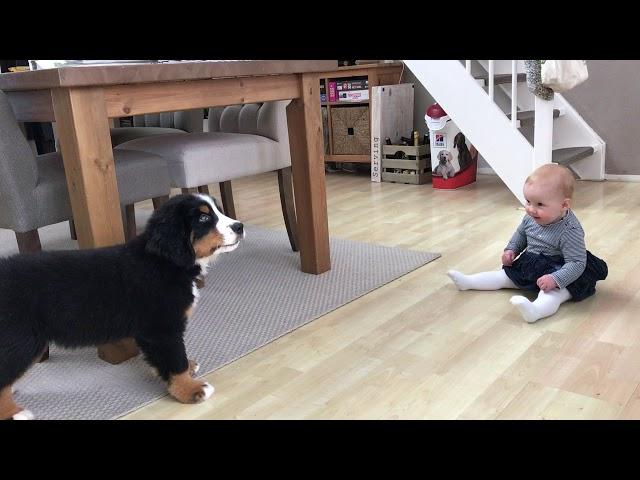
column 252, row 296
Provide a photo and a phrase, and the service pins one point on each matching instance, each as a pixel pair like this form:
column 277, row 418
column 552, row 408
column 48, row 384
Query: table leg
column 307, row 163
column 83, row 129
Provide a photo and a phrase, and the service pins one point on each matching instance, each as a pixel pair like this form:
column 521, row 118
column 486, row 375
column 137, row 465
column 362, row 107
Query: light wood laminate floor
column 417, row 348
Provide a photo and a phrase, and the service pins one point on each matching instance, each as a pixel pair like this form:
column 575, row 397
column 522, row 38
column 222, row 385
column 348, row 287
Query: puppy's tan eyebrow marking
column 205, row 209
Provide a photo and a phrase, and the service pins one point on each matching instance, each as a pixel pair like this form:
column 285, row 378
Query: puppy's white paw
column 208, row 390
column 24, row 415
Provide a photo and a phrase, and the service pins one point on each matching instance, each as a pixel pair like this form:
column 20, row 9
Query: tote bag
column 562, row 75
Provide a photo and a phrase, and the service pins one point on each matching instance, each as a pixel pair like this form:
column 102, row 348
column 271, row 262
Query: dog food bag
column 452, row 165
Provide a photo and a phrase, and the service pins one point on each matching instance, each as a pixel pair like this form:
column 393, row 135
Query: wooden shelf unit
column 377, row 74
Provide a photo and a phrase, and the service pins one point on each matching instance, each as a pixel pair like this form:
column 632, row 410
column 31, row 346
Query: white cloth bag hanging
column 562, row 75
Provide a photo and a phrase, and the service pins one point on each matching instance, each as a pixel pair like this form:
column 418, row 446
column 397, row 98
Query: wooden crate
column 414, row 168
column 391, row 117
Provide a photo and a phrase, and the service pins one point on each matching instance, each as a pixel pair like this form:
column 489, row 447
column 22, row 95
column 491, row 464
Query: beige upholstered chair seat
column 124, row 134
column 139, row 175
column 212, row 157
column 186, row 121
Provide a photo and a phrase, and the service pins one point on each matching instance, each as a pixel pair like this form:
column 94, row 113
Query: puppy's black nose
column 237, row 227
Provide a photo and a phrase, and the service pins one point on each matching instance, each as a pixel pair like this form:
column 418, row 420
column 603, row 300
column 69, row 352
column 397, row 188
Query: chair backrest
column 18, row 171
column 268, row 119
column 187, row 120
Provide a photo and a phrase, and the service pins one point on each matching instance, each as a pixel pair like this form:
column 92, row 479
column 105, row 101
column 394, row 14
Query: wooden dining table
column 83, row 99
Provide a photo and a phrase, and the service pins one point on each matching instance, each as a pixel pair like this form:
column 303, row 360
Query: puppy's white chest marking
column 204, row 264
column 196, row 294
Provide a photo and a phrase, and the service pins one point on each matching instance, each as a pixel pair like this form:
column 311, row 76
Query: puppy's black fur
column 141, row 289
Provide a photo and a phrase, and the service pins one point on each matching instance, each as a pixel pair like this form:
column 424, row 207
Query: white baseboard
column 621, row 178
column 486, row 171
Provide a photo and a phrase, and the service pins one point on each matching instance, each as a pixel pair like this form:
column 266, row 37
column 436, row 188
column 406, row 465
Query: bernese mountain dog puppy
column 144, row 289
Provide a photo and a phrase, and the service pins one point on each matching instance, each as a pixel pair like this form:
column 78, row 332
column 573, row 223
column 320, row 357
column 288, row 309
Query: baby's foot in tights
column 460, row 279
column 526, row 308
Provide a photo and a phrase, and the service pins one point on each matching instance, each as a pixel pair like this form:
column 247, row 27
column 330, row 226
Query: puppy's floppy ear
column 168, row 237
column 170, row 242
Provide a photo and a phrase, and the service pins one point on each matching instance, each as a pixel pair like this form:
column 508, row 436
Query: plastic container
column 452, row 164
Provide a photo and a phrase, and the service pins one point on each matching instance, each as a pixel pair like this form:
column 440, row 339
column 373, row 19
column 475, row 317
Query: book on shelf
column 353, row 95
column 352, row 85
column 333, row 95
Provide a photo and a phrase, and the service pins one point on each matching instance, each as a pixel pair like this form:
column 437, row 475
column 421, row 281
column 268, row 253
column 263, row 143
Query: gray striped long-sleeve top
column 564, row 237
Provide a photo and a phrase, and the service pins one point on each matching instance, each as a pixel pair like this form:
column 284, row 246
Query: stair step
column 529, row 115
column 567, row 156
column 501, row 79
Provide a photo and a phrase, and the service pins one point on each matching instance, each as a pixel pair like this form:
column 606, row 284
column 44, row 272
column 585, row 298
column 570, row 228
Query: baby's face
column 545, row 203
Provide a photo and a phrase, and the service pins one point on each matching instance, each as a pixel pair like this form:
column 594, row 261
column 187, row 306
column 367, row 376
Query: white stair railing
column 543, row 133
column 492, row 73
column 571, row 131
column 511, row 156
column 514, row 93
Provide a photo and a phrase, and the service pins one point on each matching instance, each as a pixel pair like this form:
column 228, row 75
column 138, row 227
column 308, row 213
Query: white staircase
column 513, row 130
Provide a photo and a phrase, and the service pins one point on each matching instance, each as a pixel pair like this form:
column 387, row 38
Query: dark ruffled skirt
column 528, row 267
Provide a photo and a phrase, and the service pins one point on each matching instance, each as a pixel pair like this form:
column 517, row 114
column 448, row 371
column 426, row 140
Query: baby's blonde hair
column 558, row 175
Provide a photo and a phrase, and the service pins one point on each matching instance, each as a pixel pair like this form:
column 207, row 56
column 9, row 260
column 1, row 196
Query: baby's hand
column 546, row 283
column 507, row 257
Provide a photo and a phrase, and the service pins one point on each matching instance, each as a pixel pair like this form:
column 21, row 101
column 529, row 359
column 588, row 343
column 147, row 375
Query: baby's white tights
column 481, row 281
column 544, row 306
